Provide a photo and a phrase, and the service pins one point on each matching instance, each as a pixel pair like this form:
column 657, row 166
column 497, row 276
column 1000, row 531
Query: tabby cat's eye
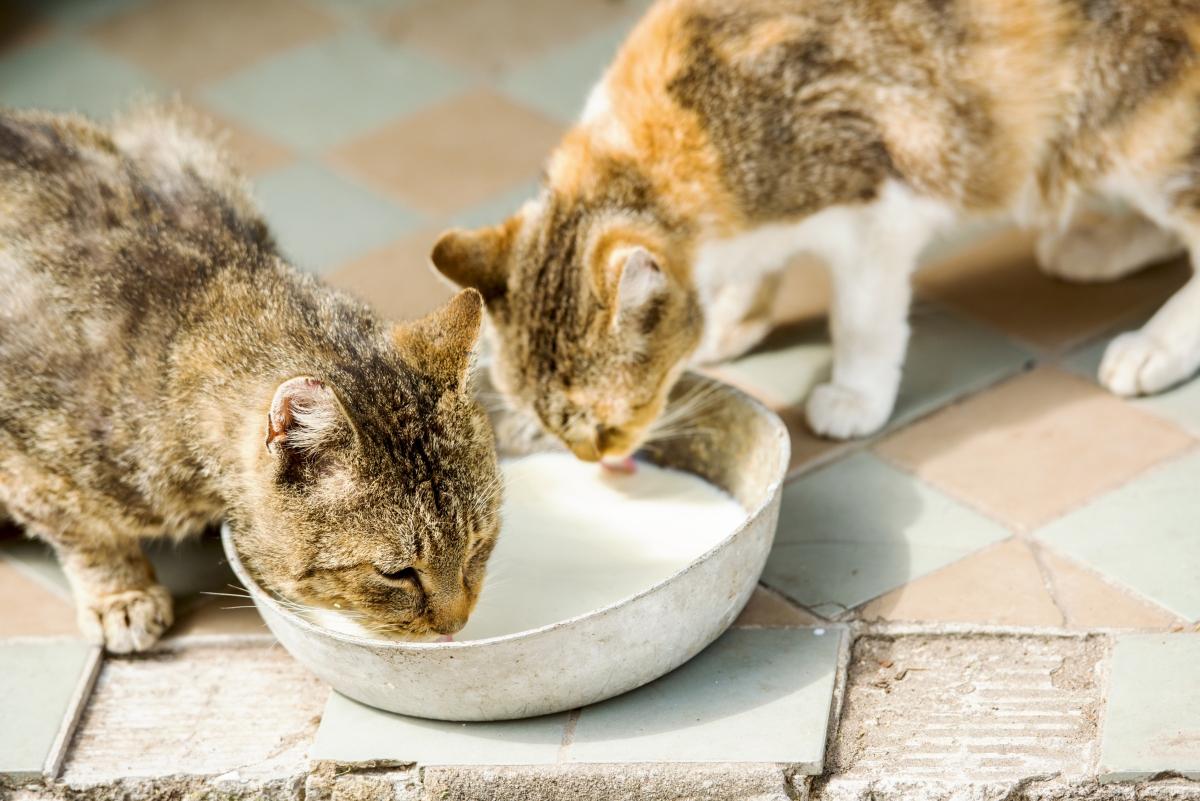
column 407, row 574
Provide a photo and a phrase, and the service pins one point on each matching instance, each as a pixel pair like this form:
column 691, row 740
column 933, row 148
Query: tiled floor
column 1008, row 490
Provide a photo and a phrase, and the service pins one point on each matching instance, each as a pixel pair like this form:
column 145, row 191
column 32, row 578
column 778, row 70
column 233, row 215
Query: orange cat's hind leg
column 1105, row 247
column 1166, row 350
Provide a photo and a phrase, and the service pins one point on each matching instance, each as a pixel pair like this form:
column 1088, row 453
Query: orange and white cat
column 728, row 136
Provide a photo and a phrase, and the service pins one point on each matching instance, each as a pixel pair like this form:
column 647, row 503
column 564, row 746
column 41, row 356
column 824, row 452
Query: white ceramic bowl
column 593, row 656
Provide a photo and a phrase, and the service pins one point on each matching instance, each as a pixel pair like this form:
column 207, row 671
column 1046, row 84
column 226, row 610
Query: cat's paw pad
column 128, row 621
column 1138, row 364
column 1080, row 256
column 840, row 412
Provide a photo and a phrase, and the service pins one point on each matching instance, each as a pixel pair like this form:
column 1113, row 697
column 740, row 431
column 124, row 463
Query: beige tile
column 767, row 609
column 1034, row 447
column 188, row 42
column 496, row 35
column 1089, row 601
column 397, row 280
column 217, row 616
column 253, row 153
column 29, row 609
column 804, row 293
column 1000, row 585
column 997, row 281
column 454, row 155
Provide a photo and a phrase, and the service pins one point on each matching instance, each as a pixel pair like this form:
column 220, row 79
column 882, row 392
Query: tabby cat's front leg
column 118, row 600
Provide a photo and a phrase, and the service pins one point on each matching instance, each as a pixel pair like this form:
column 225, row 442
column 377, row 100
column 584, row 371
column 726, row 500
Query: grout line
column 568, row 734
column 73, row 713
column 1047, row 577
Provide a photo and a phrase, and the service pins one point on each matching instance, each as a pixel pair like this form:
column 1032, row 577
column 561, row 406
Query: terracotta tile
column 1088, row 601
column 453, row 155
column 253, row 153
column 397, row 280
column 497, row 35
column 804, row 293
column 29, row 609
column 767, row 609
column 998, row 282
column 188, row 42
column 1034, row 447
column 217, row 616
column 1000, row 585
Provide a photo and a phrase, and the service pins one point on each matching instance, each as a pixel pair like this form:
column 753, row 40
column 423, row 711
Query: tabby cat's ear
column 640, row 281
column 476, row 259
column 305, row 416
column 442, row 343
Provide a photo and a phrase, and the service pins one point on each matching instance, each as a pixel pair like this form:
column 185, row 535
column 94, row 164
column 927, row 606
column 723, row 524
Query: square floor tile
column 1142, row 535
column 1034, row 447
column 1000, row 585
column 353, row 732
column 1152, row 722
column 252, row 152
column 42, row 685
column 397, row 280
column 319, row 95
column 1180, row 404
column 997, row 281
column 1088, row 600
column 187, row 42
column 28, row 608
column 768, row 609
column 496, row 208
column 755, row 695
column 559, row 82
column 66, row 73
column 465, row 32
column 454, row 155
column 322, row 219
column 853, row 530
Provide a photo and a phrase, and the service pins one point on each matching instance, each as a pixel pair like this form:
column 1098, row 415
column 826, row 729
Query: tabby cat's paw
column 1139, row 364
column 840, row 412
column 127, row 621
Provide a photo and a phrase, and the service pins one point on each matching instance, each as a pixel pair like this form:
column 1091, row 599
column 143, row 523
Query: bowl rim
column 261, row 596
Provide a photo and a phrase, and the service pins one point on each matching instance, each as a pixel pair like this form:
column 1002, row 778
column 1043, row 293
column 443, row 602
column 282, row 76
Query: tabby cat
column 730, row 135
column 161, row 367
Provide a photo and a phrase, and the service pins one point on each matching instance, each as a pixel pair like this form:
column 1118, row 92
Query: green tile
column 316, row 96
column 1152, row 720
column 858, row 528
column 42, row 683
column 1180, row 405
column 1143, row 535
column 496, row 209
column 323, row 219
column 69, row 74
column 558, row 83
column 949, row 357
column 755, row 695
column 352, row 732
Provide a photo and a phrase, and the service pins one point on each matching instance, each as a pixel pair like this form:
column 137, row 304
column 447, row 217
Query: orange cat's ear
column 640, row 281
column 305, row 415
column 442, row 343
column 476, row 259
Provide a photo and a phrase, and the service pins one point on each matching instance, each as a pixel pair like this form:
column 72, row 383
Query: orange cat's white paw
column 1138, row 364
column 129, row 621
column 840, row 412
column 1081, row 255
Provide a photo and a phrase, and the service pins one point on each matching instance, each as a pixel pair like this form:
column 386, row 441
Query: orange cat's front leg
column 871, row 254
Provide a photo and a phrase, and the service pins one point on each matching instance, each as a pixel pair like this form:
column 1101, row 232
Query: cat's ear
column 476, row 259
column 640, row 282
column 442, row 343
column 304, row 417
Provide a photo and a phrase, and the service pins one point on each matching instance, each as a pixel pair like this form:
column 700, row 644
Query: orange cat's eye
column 407, row 574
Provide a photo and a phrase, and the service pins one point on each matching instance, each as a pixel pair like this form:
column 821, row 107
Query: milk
column 577, row 537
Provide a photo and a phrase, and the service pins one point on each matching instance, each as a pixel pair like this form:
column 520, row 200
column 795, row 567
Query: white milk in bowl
column 576, row 537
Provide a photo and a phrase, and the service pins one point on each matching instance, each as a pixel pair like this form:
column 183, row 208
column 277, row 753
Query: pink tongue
column 446, row 638
column 626, row 465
